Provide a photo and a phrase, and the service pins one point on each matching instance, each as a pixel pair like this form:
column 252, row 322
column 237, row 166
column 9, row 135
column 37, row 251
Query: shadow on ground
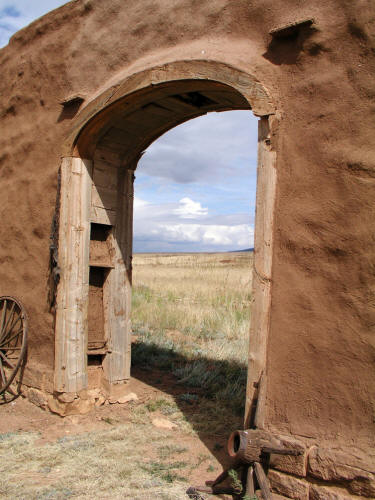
column 210, row 393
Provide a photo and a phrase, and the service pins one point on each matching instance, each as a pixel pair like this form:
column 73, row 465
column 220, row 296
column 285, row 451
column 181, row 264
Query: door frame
column 74, row 231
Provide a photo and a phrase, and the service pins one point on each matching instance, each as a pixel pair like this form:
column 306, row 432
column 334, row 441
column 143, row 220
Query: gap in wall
column 194, row 211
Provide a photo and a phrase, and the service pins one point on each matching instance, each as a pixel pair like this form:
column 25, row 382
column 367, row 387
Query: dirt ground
column 204, row 454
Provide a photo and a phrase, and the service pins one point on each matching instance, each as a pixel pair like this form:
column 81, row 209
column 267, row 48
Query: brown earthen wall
column 321, row 345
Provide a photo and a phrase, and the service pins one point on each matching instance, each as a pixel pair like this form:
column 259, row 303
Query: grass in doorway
column 191, row 318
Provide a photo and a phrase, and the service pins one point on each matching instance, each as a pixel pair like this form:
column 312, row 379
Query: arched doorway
column 95, row 232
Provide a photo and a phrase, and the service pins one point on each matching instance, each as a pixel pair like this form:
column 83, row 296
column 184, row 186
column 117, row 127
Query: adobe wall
column 320, row 360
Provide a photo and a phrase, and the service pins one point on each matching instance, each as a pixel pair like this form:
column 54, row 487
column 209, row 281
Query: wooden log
column 261, row 402
column 250, row 489
column 262, row 267
column 281, row 450
column 263, row 481
column 247, row 446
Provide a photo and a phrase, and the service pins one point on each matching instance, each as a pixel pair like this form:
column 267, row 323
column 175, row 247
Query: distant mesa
column 245, row 250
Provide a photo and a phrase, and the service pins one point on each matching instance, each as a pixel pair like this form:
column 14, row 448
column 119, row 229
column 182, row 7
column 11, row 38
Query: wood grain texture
column 262, row 271
column 118, row 286
column 263, row 481
column 72, row 295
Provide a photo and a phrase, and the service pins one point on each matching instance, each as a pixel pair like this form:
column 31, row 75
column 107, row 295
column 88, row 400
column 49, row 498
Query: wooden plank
column 105, row 175
column 73, row 289
column 118, row 286
column 227, row 99
column 107, row 155
column 102, row 215
column 262, row 267
column 104, row 197
column 154, row 108
column 122, row 135
column 100, row 255
column 102, row 164
column 178, row 106
column 96, row 309
column 117, row 147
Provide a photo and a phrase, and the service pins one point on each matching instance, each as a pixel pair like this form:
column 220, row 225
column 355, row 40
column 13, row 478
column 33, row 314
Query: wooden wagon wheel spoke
column 13, row 347
column 2, row 373
column 3, row 314
column 4, row 338
column 6, row 341
column 10, row 328
column 11, row 314
column 6, row 359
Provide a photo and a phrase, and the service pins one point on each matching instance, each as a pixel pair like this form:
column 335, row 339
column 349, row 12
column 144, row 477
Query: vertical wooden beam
column 262, row 270
column 118, row 286
column 73, row 261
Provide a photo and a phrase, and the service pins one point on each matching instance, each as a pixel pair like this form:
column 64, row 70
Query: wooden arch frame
column 70, row 371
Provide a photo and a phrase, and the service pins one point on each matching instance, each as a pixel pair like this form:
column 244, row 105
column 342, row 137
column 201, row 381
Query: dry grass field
column 190, row 324
column 191, row 316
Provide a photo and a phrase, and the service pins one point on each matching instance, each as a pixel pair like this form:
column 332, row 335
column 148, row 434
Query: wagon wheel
column 13, row 347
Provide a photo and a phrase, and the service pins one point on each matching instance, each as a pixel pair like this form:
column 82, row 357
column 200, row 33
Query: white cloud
column 190, row 209
column 139, row 204
column 220, row 236
column 214, row 148
column 163, row 226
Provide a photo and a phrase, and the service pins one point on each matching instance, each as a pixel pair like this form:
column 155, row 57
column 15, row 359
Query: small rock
column 163, row 423
column 129, row 397
column 37, row 397
column 93, row 393
column 100, row 401
column 67, row 397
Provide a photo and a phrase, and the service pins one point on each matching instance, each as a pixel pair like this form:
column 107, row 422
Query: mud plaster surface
column 321, row 344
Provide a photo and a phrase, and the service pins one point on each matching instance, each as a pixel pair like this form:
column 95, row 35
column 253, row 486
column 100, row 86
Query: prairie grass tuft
column 101, row 464
column 191, row 317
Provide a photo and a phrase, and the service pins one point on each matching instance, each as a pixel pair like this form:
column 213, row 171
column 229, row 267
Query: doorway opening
column 96, row 217
column 194, row 215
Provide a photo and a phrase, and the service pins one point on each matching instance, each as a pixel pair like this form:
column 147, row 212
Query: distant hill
column 244, row 250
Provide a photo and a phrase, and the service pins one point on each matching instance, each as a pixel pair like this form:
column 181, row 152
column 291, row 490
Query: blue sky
column 15, row 14
column 195, row 186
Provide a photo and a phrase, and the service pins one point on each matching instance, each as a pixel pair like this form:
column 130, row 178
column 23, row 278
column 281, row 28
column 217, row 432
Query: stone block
column 100, row 401
column 363, row 487
column 37, row 397
column 297, row 464
column 127, row 398
column 76, row 407
column 336, row 465
column 332, row 465
column 288, row 486
column 327, row 493
column 66, row 397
